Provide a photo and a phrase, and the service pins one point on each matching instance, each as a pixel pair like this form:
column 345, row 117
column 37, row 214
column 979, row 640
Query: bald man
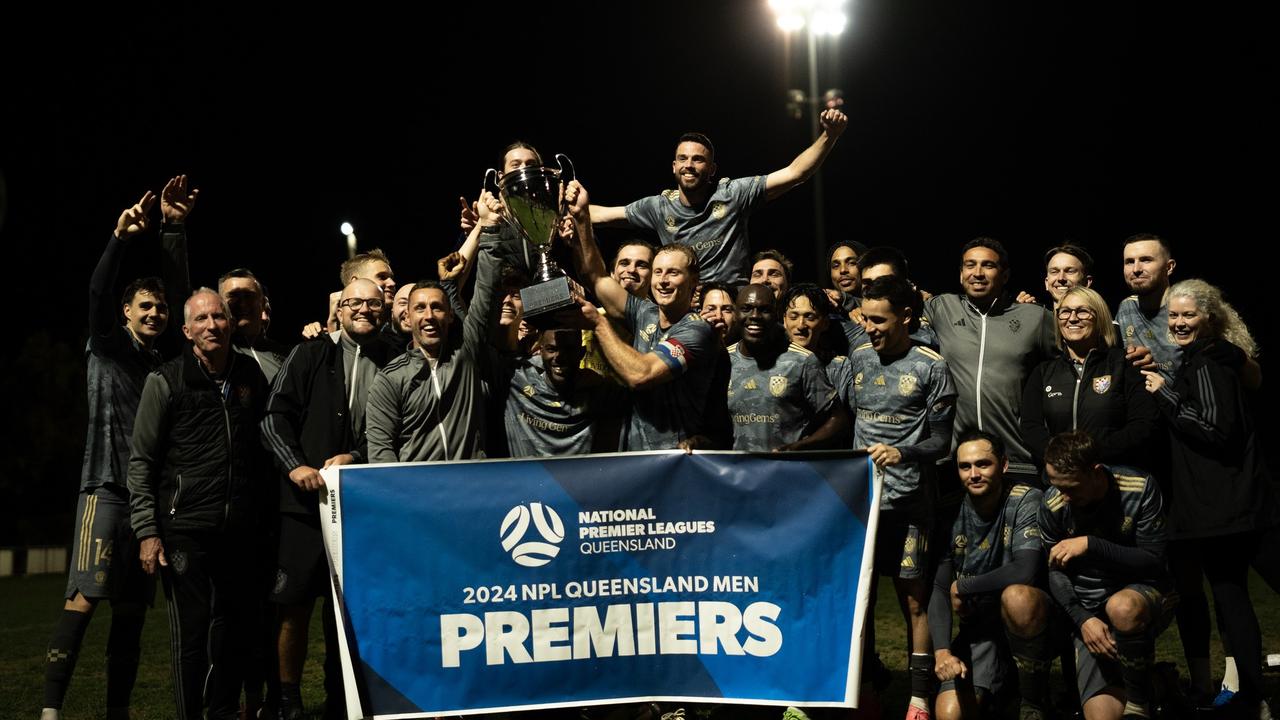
column 314, row 419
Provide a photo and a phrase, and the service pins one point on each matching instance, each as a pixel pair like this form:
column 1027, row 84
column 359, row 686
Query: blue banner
column 499, row 585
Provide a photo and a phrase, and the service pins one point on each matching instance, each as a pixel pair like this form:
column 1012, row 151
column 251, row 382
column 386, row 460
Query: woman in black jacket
column 1220, row 501
column 1089, row 386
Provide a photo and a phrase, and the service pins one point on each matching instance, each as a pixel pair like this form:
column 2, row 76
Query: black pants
column 1224, row 561
column 212, row 602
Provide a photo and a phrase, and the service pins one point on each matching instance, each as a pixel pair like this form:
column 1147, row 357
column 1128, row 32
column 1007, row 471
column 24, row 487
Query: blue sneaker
column 1224, row 697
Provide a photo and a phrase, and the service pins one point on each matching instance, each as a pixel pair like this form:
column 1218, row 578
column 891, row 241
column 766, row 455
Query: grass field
column 30, row 605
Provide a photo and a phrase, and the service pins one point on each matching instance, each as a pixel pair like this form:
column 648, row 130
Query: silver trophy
column 534, row 202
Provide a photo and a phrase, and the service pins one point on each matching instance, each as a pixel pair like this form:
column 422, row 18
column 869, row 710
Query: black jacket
column 1219, row 478
column 1108, row 401
column 197, row 462
column 307, row 420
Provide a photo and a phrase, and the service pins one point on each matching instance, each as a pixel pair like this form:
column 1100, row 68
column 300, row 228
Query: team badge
column 179, row 562
column 100, row 577
column 281, row 580
column 907, row 384
column 719, row 210
column 1015, row 325
column 527, row 390
column 909, row 545
column 242, row 392
column 1126, row 527
column 1128, row 331
column 1102, row 384
column 777, row 385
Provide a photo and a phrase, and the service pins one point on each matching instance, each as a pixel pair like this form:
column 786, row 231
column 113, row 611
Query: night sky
column 1030, row 122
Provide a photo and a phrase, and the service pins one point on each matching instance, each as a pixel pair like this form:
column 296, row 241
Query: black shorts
column 982, row 645
column 104, row 551
column 1095, row 674
column 902, row 544
column 302, row 570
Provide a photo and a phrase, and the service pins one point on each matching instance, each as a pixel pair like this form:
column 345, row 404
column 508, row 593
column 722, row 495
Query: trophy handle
column 491, row 182
column 567, row 174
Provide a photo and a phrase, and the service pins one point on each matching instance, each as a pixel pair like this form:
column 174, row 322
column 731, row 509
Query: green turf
column 30, row 605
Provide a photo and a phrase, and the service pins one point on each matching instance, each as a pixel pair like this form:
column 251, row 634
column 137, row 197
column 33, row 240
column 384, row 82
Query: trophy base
column 546, row 297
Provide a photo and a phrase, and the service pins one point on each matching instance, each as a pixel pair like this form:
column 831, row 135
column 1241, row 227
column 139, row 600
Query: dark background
column 1030, row 122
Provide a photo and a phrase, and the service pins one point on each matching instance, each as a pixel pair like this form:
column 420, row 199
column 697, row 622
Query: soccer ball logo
column 532, row 553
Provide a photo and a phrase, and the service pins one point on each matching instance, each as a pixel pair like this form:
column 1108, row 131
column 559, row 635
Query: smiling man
column 905, row 405
column 118, row 357
column 429, row 404
column 669, row 365
column 196, row 494
column 779, row 397
column 990, row 343
column 711, row 216
column 555, row 407
column 315, row 418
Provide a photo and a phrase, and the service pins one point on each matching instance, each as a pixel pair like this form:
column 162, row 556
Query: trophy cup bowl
column 534, row 200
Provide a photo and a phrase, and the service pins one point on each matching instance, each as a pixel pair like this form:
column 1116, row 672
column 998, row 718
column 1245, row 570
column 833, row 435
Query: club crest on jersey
column 777, row 385
column 907, row 384
column 1102, row 384
column 719, row 210
column 1015, row 325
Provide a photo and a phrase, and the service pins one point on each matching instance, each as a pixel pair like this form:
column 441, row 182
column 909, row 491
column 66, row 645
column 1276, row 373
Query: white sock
column 1138, row 710
column 919, row 702
column 1201, row 682
column 1230, row 678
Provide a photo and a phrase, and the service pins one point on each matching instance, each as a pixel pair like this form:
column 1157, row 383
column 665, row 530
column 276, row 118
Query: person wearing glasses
column 314, row 419
column 1089, row 386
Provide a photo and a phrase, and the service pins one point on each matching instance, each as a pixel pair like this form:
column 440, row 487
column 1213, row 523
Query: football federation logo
column 777, row 385
column 1102, row 384
column 719, row 210
column 532, row 553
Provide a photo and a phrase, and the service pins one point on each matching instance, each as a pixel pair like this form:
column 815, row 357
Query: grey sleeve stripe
column 1207, row 417
column 285, row 455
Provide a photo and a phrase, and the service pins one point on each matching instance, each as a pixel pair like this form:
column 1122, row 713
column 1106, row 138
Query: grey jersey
column 1130, row 515
column 840, row 374
column 664, row 415
column 980, row 545
column 990, row 354
column 1150, row 331
column 775, row 405
column 895, row 403
column 717, row 231
column 542, row 422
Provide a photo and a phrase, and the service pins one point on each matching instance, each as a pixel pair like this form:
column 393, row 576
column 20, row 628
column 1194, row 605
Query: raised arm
column 103, row 312
column 609, row 216
column 833, row 123
column 587, row 257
